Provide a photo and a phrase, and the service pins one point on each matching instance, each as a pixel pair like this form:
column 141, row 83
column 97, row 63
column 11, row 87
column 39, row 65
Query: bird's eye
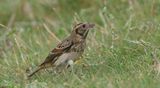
column 84, row 26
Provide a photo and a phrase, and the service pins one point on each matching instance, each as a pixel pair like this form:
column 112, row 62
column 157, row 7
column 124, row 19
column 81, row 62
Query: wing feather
column 62, row 47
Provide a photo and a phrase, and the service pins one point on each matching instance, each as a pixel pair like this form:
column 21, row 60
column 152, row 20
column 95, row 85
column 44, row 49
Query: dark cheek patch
column 77, row 32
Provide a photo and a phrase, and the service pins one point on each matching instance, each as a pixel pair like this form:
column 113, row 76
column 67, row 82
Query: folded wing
column 61, row 48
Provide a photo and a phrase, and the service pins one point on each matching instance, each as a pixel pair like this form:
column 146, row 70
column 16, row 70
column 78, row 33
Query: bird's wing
column 62, row 47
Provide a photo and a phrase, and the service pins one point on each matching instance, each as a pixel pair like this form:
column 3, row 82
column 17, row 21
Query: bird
column 68, row 50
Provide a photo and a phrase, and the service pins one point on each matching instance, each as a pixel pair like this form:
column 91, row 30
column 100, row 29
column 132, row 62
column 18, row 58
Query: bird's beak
column 91, row 25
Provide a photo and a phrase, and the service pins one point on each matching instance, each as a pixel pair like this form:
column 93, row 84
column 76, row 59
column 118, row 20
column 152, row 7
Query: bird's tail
column 35, row 71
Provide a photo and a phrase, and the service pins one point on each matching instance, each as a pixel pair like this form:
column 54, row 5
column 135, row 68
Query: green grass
column 118, row 52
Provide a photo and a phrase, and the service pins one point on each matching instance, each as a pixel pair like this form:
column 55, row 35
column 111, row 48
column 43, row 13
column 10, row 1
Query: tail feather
column 35, row 71
column 40, row 67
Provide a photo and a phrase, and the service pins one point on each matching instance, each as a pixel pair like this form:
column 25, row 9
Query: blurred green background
column 118, row 52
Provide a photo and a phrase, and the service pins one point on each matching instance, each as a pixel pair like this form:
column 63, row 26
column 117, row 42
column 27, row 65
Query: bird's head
column 82, row 29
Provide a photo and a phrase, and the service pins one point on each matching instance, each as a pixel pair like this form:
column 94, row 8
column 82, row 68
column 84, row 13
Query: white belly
column 65, row 57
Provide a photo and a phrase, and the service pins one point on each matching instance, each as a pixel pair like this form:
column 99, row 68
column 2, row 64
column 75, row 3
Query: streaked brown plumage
column 69, row 49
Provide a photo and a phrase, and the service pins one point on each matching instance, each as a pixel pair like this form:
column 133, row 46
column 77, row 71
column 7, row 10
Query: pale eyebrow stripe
column 77, row 25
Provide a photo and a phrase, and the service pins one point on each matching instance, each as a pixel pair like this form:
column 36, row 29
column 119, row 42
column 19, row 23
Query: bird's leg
column 70, row 64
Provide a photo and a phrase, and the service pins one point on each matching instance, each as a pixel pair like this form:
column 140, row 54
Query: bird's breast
column 78, row 47
column 67, row 56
